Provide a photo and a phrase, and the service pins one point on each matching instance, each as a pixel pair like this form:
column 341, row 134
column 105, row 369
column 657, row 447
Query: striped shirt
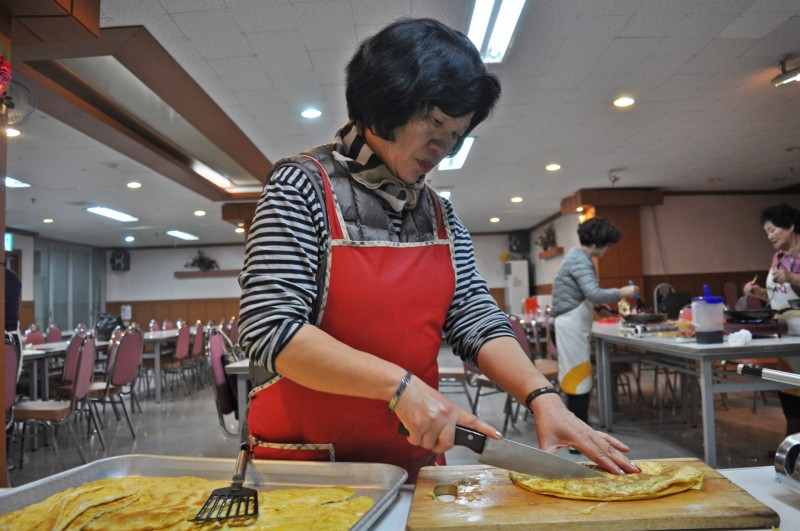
column 278, row 280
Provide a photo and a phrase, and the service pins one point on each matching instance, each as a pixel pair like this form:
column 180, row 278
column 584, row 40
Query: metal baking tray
column 378, row 481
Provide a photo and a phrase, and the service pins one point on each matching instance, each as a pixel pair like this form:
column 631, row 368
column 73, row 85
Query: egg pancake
column 657, row 479
column 143, row 503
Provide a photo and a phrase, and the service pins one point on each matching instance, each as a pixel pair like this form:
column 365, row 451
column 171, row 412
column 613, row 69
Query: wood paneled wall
column 190, row 310
column 27, row 315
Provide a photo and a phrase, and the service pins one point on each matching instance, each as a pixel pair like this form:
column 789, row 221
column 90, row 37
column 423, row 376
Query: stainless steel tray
column 378, row 481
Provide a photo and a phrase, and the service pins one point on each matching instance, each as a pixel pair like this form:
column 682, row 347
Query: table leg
column 604, row 399
column 157, row 369
column 45, row 379
column 35, row 379
column 707, row 400
column 241, row 397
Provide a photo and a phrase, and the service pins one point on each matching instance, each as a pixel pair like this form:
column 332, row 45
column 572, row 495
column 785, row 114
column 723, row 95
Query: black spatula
column 639, row 302
column 234, row 501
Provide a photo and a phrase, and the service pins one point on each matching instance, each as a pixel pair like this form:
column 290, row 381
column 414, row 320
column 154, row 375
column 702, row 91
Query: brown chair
column 124, row 360
column 52, row 413
column 174, row 365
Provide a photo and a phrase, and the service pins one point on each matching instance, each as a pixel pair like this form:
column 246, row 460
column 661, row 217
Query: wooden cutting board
column 487, row 499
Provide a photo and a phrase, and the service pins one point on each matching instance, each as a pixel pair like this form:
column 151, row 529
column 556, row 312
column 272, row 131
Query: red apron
column 388, row 299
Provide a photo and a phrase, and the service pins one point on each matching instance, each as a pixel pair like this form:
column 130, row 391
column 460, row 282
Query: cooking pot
column 645, row 318
column 757, row 315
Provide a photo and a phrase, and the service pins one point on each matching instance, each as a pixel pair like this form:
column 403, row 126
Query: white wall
column 487, row 257
column 696, row 234
column 25, row 245
column 152, row 275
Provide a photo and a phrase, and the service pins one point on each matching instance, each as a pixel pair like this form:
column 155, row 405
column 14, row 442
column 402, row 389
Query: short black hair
column 598, row 232
column 411, row 66
column 781, row 215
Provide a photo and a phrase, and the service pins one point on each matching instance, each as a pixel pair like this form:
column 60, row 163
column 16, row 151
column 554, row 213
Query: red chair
column 50, row 413
column 34, row 336
column 154, row 327
column 233, row 331
column 53, row 333
column 125, row 358
column 197, row 362
column 174, row 365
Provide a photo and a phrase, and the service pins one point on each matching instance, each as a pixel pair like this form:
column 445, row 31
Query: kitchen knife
column 520, row 458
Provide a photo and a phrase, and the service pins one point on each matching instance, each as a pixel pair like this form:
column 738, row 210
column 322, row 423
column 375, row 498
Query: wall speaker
column 519, row 242
column 120, row 261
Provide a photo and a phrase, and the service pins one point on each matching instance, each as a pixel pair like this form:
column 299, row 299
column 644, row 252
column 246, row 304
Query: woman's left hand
column 782, row 275
column 555, row 429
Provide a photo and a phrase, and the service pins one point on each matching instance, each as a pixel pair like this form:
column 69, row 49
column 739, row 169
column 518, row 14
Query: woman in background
column 575, row 292
column 780, row 223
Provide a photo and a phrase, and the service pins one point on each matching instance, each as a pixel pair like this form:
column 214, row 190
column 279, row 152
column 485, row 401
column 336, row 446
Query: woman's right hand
column 430, row 417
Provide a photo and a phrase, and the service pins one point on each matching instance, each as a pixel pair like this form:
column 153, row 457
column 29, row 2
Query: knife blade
column 519, row 457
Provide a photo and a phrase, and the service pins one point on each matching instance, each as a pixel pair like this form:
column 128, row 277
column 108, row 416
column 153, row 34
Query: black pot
column 645, row 318
column 761, row 314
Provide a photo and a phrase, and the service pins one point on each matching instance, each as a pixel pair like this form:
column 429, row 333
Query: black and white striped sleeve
column 473, row 317
column 278, row 280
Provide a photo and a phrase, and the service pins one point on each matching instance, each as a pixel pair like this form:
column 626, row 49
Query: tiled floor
column 189, row 426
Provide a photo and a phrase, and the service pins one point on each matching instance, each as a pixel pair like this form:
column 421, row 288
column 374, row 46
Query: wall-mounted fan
column 24, row 103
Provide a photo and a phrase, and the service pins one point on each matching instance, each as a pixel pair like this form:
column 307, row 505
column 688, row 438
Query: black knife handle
column 744, row 368
column 474, row 440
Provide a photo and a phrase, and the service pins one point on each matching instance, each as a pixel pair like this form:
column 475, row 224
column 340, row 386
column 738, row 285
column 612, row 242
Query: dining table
column 709, row 364
column 45, row 351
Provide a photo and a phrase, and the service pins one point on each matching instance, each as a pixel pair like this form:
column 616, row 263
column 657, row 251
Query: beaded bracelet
column 400, row 388
column 538, row 392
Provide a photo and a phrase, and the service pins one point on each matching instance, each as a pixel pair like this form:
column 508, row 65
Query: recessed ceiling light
column 134, row 185
column 112, row 214
column 516, row 199
column 48, row 220
column 553, row 167
column 199, row 213
column 15, row 183
column 129, row 239
column 240, row 224
column 579, row 209
column 494, row 220
column 455, row 163
column 239, row 229
column 624, row 101
column 182, row 235
column 11, row 132
column 210, row 175
column 311, row 112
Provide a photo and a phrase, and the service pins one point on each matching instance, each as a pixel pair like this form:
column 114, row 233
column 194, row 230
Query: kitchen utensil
column 644, row 318
column 757, row 315
column 753, row 282
column 518, row 457
column 639, row 302
column 233, row 501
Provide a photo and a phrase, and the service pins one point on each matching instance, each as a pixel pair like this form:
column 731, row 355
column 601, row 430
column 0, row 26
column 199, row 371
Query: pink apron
column 386, row 298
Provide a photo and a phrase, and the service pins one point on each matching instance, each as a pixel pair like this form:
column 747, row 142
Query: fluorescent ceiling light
column 207, row 173
column 480, row 21
column 500, row 22
column 48, row 220
column 311, row 112
column 14, row 183
column 129, row 239
column 113, row 214
column 182, row 235
column 455, row 163
column 786, row 78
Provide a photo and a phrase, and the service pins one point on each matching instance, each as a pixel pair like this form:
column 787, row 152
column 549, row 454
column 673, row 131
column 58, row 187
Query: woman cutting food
column 780, row 223
column 355, row 268
column 575, row 292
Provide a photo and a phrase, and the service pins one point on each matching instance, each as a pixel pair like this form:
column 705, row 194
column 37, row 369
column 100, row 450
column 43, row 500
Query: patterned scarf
column 365, row 167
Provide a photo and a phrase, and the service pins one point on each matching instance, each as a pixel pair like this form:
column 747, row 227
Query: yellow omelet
column 149, row 503
column 657, row 479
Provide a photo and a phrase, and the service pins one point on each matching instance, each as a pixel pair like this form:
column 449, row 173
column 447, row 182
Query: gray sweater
column 576, row 281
